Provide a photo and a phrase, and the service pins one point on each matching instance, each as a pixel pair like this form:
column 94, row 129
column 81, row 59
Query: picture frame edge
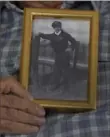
column 23, row 77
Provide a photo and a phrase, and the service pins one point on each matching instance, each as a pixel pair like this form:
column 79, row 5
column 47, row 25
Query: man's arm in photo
column 45, row 36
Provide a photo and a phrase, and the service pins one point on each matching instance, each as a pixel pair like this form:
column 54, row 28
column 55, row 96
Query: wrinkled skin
column 18, row 113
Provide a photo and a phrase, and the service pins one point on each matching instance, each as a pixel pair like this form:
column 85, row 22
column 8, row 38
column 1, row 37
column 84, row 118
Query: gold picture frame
column 93, row 18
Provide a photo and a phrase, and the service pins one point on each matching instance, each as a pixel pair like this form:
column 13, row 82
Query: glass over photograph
column 59, row 59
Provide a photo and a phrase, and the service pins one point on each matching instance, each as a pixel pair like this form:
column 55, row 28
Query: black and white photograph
column 59, row 58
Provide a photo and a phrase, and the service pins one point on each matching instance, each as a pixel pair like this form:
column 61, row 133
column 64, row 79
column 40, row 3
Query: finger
column 6, row 89
column 18, row 90
column 12, row 85
column 21, row 117
column 58, row 6
column 8, row 126
column 26, row 105
column 51, row 4
column 33, row 4
column 2, row 87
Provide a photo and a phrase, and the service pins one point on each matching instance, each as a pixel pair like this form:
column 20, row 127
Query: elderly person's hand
column 41, row 4
column 18, row 114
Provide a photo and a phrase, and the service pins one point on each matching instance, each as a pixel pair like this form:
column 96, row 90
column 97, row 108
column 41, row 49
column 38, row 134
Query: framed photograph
column 59, row 58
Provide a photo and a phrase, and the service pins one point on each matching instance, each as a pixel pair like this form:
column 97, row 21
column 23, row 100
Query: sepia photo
column 59, row 58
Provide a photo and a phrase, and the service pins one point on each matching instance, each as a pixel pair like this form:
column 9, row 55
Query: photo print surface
column 59, row 59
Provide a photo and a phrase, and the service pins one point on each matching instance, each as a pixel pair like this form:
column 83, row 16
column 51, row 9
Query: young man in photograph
column 17, row 112
column 60, row 45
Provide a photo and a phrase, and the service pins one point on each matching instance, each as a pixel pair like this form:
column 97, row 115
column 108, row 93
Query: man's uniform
column 59, row 43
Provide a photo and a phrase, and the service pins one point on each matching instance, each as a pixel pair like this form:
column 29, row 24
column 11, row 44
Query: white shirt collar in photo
column 58, row 33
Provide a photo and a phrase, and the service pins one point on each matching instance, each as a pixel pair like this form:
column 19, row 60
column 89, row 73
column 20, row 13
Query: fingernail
column 31, row 98
column 40, row 121
column 41, row 111
column 43, row 121
column 36, row 129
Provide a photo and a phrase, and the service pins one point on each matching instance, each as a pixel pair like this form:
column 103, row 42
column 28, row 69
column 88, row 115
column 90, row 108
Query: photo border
column 63, row 105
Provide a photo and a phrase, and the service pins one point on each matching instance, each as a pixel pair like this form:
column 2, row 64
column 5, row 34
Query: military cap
column 56, row 24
